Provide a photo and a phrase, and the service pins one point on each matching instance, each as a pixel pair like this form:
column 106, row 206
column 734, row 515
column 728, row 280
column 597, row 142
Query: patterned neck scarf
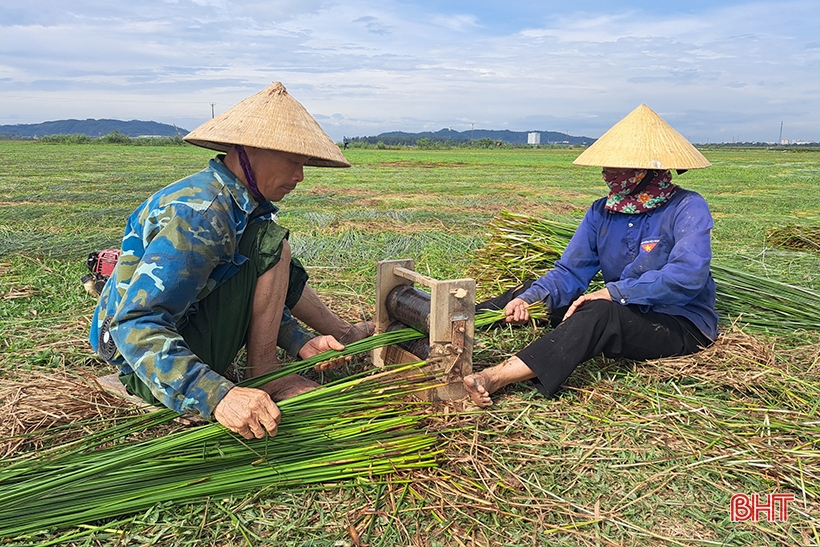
column 630, row 193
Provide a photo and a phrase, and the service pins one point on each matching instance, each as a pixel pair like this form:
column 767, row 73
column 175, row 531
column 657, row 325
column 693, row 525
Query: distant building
column 534, row 138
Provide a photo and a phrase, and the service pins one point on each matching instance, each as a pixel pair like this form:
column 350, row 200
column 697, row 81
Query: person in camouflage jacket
column 205, row 270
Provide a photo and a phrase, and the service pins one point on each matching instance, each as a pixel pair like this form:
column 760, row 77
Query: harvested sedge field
column 627, row 454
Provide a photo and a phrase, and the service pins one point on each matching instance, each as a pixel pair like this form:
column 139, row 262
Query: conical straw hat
column 273, row 120
column 642, row 140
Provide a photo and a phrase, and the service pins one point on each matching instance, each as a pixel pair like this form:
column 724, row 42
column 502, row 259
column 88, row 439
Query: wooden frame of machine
column 446, row 314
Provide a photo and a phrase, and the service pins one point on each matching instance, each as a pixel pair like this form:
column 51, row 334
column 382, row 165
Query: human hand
column 359, row 331
column 321, row 344
column 516, row 311
column 600, row 294
column 249, row 412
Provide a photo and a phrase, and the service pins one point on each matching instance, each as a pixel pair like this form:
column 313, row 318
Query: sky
column 717, row 71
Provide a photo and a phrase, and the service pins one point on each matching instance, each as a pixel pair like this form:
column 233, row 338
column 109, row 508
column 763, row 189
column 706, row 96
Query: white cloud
column 456, row 23
column 373, row 25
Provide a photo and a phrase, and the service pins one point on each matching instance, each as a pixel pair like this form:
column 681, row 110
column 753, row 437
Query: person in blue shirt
column 205, row 270
column 650, row 241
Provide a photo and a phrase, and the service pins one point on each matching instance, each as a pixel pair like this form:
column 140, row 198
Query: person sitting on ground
column 649, row 238
column 205, row 270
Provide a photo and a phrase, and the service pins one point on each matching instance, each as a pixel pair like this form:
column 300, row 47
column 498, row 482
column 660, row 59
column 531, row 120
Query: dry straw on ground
column 736, row 360
column 670, row 440
column 42, row 405
column 651, row 432
column 801, row 238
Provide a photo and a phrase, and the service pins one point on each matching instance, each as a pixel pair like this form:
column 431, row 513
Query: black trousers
column 601, row 327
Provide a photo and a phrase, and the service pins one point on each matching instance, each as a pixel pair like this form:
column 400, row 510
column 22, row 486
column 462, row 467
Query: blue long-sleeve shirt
column 658, row 260
column 179, row 246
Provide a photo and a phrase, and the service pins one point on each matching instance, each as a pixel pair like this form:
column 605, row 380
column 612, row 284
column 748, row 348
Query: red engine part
column 102, row 263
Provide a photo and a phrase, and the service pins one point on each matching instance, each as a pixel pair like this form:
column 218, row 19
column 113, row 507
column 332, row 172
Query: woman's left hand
column 601, row 294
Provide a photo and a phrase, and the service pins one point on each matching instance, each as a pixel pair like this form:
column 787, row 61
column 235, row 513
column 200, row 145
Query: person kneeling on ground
column 205, row 270
column 649, row 238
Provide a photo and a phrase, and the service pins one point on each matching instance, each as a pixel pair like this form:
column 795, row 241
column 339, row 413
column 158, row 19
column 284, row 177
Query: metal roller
column 420, row 348
column 410, row 306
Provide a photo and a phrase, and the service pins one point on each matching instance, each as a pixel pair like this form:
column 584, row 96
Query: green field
column 627, row 454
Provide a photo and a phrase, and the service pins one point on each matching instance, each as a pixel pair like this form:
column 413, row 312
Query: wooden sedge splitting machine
column 446, row 314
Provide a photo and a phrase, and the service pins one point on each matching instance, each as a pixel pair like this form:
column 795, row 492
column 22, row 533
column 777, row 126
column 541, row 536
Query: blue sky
column 717, row 71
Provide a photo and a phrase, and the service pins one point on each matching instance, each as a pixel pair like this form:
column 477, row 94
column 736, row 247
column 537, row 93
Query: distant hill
column 90, row 127
column 507, row 136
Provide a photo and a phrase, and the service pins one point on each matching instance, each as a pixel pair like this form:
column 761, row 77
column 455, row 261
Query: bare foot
column 289, row 386
column 475, row 386
column 356, row 332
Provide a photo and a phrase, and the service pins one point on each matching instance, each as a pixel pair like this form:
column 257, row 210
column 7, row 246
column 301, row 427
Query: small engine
column 101, row 264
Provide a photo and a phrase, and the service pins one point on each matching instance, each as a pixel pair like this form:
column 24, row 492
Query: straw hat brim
column 272, row 120
column 643, row 140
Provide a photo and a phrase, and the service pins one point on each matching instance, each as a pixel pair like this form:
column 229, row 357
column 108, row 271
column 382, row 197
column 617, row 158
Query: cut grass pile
column 801, row 238
column 628, row 453
column 357, row 427
column 651, row 453
column 360, row 426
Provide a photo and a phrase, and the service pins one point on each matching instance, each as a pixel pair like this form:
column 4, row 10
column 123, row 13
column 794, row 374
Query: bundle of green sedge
column 364, row 425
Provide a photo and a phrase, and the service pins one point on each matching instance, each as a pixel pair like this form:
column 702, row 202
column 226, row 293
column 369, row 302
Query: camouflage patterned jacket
column 179, row 245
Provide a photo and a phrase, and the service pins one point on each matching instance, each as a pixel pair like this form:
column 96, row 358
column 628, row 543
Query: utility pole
column 472, row 127
column 212, row 110
column 780, row 140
